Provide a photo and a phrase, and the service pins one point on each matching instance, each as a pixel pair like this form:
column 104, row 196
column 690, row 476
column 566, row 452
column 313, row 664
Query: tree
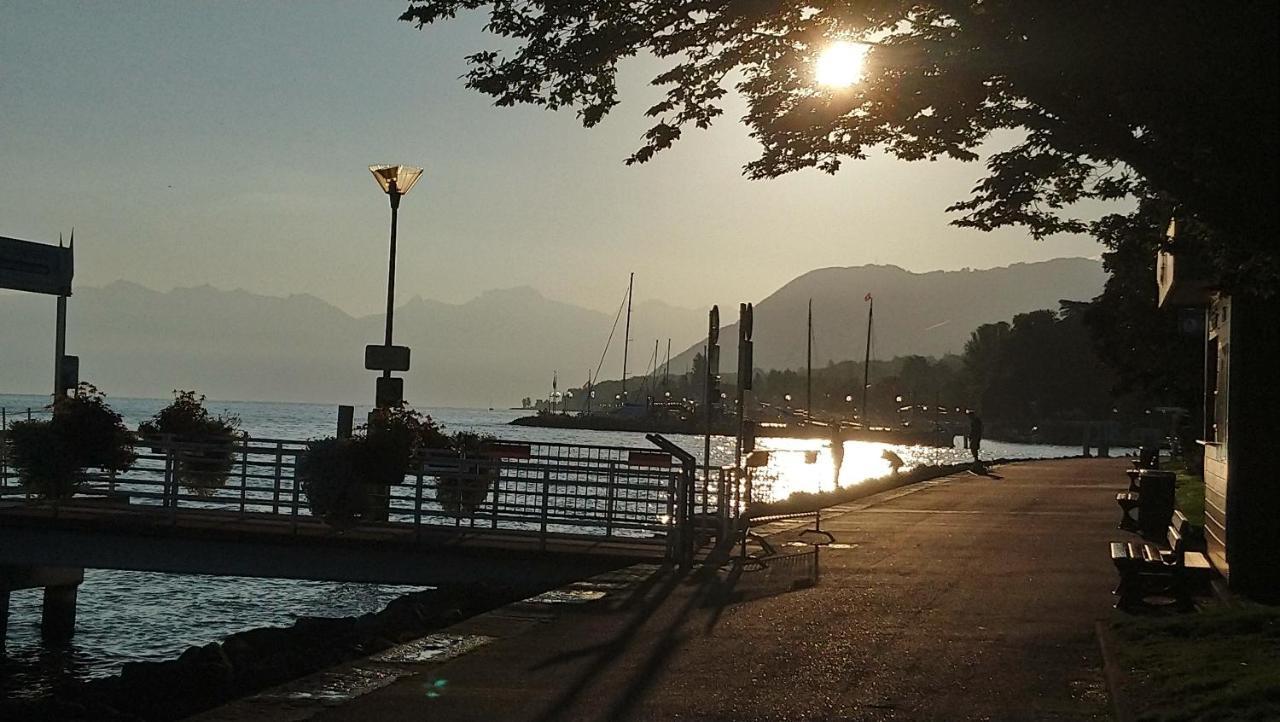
column 1152, row 353
column 1176, row 98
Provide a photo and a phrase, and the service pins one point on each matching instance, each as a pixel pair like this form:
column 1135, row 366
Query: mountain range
column 496, row 348
column 930, row 314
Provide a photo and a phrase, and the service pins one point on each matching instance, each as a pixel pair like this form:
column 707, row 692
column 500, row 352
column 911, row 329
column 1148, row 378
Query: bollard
column 346, row 420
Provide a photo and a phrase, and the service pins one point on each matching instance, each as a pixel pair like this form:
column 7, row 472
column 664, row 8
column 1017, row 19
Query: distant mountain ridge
column 496, row 348
column 492, row 350
column 930, row 314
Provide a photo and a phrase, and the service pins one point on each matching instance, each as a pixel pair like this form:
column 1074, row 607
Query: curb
column 1121, row 709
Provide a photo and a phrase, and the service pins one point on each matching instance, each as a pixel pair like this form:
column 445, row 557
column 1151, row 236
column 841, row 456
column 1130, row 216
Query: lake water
column 127, row 616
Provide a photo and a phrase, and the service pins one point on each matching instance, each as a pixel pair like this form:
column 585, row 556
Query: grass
column 1189, row 491
column 1222, row 663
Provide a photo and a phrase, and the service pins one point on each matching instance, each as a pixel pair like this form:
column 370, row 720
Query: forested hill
column 929, row 314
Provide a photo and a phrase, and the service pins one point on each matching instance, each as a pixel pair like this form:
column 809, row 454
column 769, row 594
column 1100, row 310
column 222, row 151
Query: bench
column 1128, row 501
column 1146, row 569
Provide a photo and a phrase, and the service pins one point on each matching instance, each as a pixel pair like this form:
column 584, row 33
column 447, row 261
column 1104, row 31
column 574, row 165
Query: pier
column 549, row 514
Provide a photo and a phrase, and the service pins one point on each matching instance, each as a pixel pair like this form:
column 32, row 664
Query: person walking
column 837, row 451
column 975, row 435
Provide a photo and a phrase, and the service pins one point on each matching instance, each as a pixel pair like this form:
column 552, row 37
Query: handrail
column 556, row 489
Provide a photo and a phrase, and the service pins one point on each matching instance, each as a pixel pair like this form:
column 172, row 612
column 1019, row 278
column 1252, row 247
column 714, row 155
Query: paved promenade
column 966, row 598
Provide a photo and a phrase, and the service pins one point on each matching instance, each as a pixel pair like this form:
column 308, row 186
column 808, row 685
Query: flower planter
column 463, row 484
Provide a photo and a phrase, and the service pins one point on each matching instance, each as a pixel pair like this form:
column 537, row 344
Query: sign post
column 42, row 268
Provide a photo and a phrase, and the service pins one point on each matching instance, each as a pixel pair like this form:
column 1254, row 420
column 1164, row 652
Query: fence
column 544, row 488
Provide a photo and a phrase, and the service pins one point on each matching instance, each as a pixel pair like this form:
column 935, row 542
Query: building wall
column 1216, row 457
column 1242, row 466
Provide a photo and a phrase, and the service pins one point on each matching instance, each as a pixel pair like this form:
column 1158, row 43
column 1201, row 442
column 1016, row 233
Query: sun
column 841, row 64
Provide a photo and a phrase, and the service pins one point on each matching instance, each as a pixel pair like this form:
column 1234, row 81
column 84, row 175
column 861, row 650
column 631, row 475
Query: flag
column 867, row 297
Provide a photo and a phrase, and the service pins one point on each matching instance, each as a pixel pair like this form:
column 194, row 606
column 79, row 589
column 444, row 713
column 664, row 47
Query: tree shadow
column 722, row 580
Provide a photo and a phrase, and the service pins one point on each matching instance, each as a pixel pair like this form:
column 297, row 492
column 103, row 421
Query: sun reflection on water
column 807, row 465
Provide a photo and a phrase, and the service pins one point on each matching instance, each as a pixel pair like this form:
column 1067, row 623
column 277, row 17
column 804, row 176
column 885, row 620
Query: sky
column 227, row 144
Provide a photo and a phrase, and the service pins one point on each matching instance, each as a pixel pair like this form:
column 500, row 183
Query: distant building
column 1241, row 434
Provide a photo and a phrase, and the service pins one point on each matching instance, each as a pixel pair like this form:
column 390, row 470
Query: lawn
column 1189, row 492
column 1221, row 663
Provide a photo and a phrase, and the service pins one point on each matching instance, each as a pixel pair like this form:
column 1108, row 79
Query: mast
column 866, row 361
column 652, row 382
column 666, row 368
column 626, row 337
column 808, row 365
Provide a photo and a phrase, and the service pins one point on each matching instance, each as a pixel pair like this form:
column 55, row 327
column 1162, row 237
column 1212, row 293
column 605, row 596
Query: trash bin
column 1155, row 501
column 1148, row 457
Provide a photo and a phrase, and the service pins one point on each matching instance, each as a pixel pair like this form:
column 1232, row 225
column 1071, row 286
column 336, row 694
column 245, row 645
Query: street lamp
column 395, row 181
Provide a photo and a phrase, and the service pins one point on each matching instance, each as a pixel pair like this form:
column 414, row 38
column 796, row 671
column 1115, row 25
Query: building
column 1241, row 437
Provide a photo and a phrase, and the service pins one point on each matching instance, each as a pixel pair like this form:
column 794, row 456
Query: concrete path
column 970, row 598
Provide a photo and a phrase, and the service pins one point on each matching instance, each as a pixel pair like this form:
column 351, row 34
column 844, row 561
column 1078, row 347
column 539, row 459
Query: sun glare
column 841, row 64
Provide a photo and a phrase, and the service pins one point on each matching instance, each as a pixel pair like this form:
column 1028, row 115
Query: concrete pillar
column 58, row 615
column 4, row 615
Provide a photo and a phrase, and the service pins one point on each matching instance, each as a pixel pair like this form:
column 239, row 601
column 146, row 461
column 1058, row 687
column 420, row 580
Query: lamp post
column 395, row 181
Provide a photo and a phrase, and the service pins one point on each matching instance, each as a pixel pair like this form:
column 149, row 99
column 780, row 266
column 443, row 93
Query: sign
column 35, row 267
column 69, row 373
column 390, row 391
column 386, row 358
column 649, row 458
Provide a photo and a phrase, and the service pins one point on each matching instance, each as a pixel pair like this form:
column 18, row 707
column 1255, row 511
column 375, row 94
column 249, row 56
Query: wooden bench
column 1146, row 569
column 1128, row 501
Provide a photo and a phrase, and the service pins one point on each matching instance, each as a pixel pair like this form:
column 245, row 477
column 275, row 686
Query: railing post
column 244, row 473
column 167, row 496
column 293, row 484
column 610, row 491
column 275, row 490
column 417, row 503
column 497, row 487
column 546, row 498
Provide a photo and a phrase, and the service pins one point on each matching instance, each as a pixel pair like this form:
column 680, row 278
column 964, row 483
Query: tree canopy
column 1109, row 98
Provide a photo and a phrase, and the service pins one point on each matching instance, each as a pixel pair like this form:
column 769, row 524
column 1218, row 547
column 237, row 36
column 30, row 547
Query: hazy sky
column 226, row 143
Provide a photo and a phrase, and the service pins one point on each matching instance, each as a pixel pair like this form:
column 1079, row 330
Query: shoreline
column 206, row 676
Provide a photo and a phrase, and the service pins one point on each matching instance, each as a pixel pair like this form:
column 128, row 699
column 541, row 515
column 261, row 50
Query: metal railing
column 623, row 493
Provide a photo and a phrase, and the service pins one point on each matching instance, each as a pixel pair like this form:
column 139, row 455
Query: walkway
column 969, row 598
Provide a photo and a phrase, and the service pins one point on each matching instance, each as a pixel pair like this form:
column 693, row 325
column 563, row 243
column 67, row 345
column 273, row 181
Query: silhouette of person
column 975, row 434
column 837, row 451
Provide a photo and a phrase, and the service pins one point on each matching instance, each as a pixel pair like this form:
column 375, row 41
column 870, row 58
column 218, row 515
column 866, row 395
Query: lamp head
column 395, row 179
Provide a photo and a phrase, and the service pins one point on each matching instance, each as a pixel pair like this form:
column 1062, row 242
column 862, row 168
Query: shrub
column 83, row 432
column 203, row 467
column 346, row 480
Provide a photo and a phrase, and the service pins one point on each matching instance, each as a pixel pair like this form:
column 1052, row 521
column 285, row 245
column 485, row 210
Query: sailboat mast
column 866, row 362
column 652, row 383
column 626, row 338
column 666, row 368
column 808, row 364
